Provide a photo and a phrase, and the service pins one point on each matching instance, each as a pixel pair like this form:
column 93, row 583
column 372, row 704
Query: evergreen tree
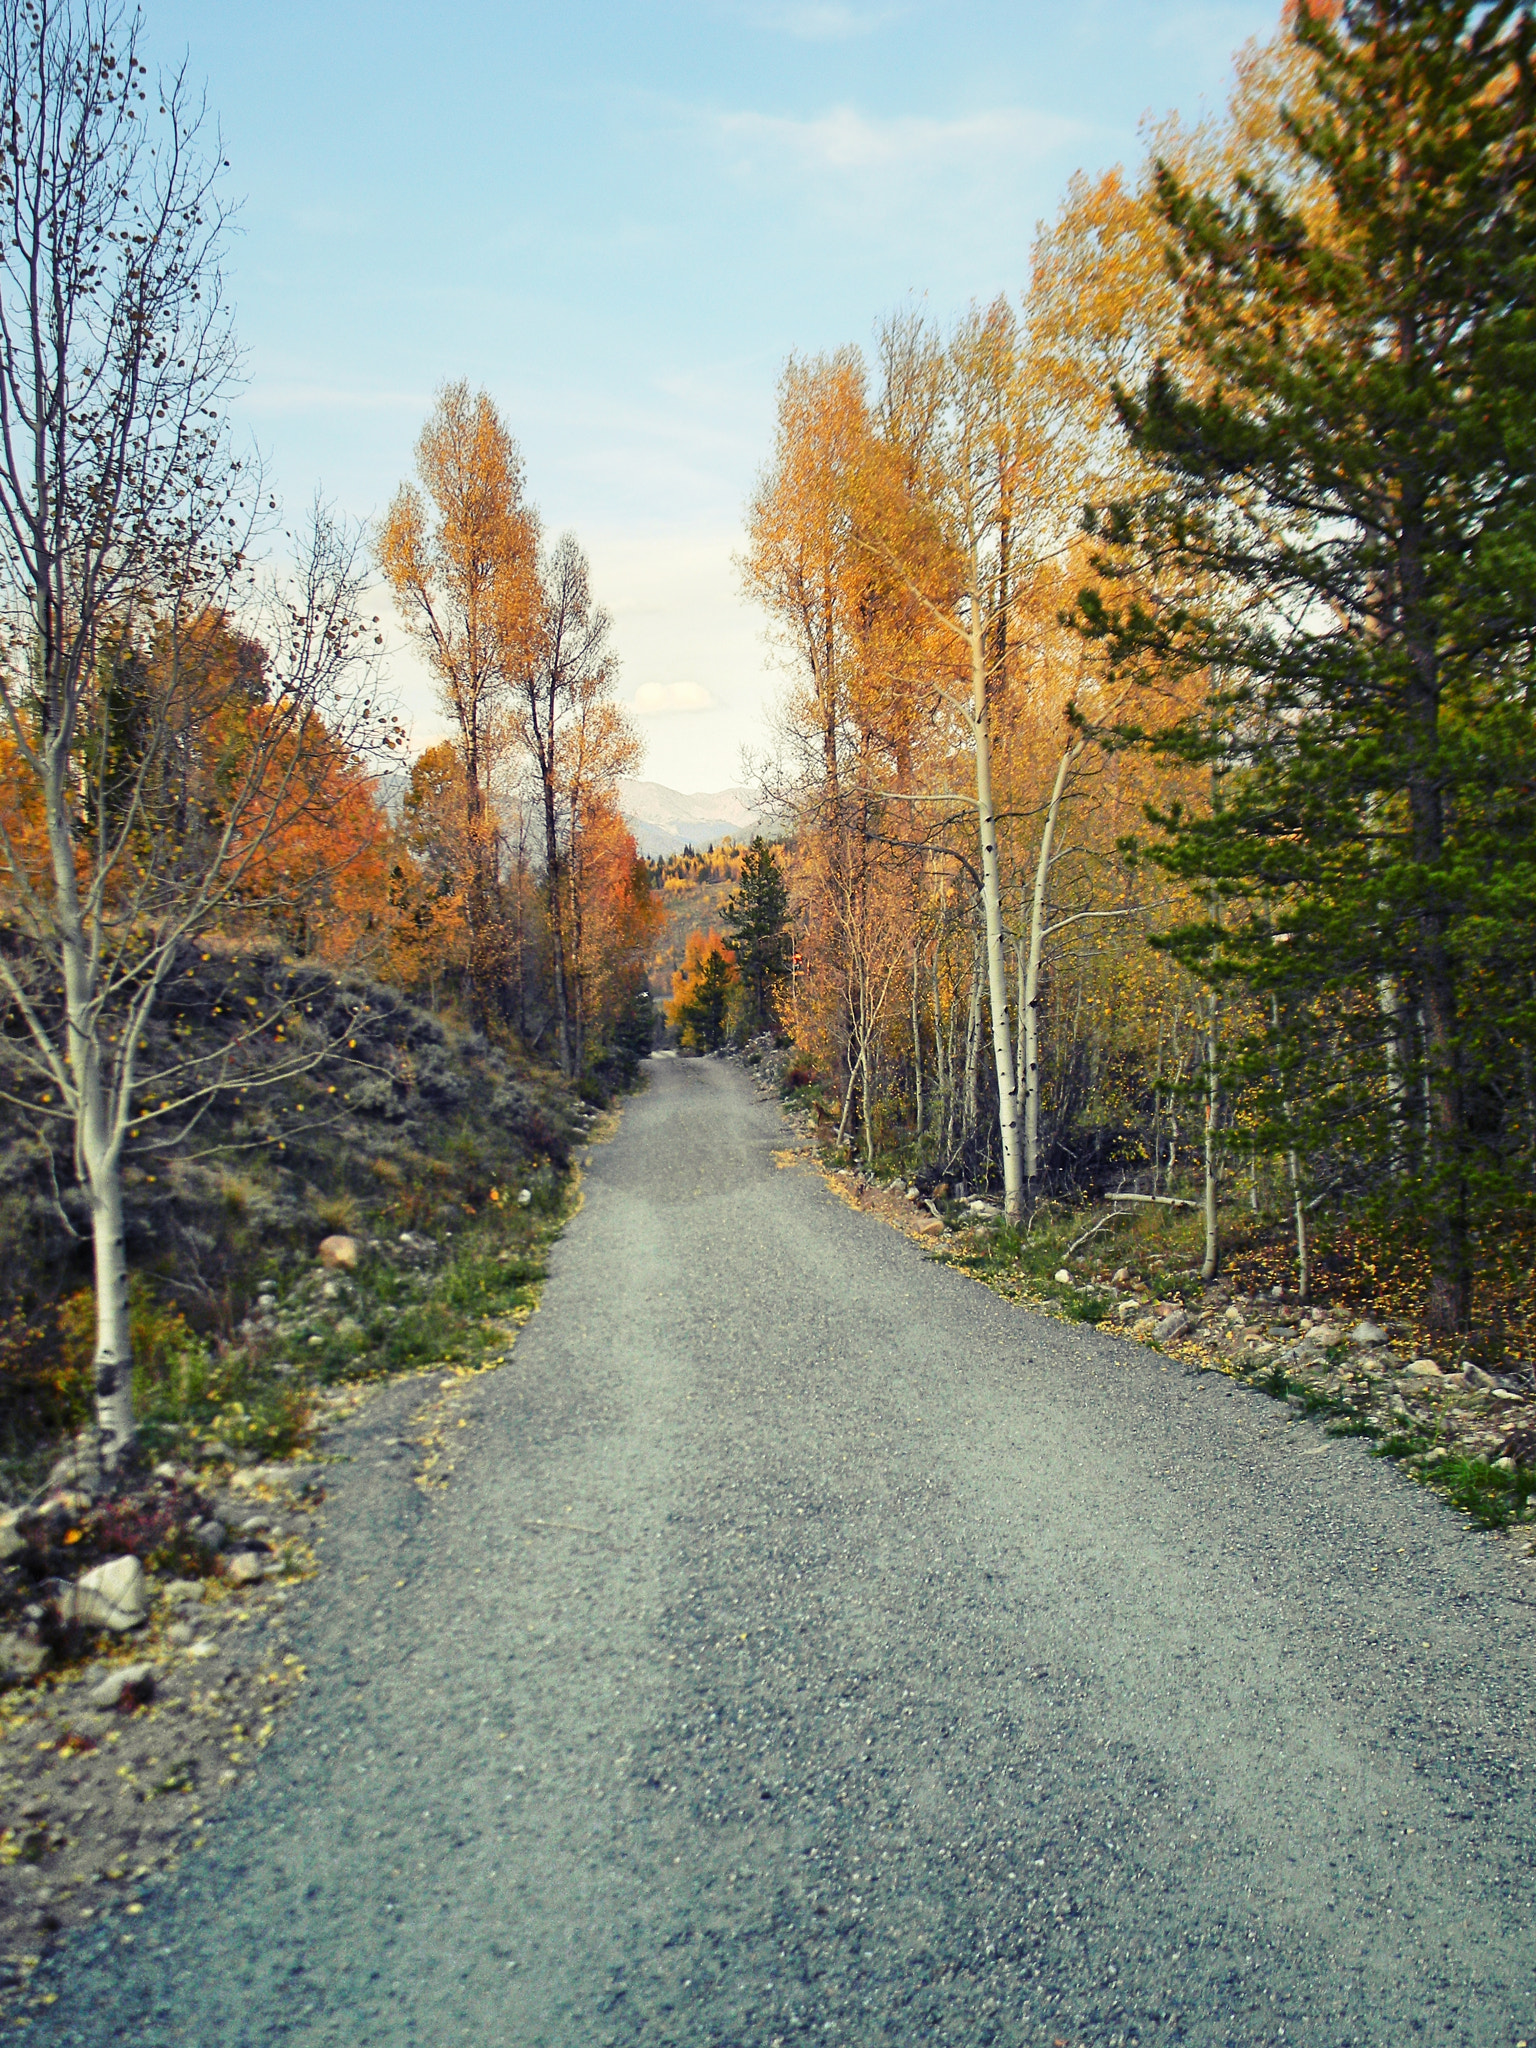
column 756, row 920
column 1341, row 552
column 704, row 1016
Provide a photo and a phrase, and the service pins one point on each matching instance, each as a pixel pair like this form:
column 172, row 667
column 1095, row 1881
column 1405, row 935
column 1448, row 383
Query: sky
column 619, row 220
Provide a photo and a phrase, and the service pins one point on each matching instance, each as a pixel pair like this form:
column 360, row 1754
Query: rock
column 348, row 1328
column 339, row 1251
column 1422, row 1369
column 1143, row 1327
column 980, row 1208
column 1476, row 1377
column 1367, row 1334
column 20, row 1659
column 913, row 1195
column 1326, row 1335
column 181, row 1633
column 12, row 1542
column 1063, row 1277
column 245, row 1567
column 178, row 1592
column 113, row 1595
column 139, row 1679
column 932, row 1228
column 1173, row 1325
column 79, row 1470
column 1119, row 1277
column 524, row 1198
column 207, row 1534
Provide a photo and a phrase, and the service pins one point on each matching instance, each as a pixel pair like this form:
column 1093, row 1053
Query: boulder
column 20, row 1659
column 339, row 1251
column 112, row 1595
column 139, row 1679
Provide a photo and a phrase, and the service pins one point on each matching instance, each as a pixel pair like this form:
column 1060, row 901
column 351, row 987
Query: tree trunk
column 556, row 931
column 99, row 1136
column 1030, row 1013
column 1211, row 1264
column 917, row 1040
column 992, row 910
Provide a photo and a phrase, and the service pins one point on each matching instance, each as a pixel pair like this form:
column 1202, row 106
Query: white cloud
column 845, row 140
column 659, row 700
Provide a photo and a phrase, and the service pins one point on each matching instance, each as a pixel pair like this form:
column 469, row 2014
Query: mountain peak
column 666, row 820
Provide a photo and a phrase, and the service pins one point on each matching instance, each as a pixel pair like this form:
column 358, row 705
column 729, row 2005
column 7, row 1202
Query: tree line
column 1159, row 733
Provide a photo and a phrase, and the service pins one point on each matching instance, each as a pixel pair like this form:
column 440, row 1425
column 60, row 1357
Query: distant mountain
column 665, row 820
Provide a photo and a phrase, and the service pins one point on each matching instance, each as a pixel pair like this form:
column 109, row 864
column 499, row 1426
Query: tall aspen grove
column 1156, row 646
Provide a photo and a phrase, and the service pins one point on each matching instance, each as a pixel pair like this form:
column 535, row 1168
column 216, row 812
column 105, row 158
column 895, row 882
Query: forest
column 1156, row 718
column 219, row 870
column 1154, row 745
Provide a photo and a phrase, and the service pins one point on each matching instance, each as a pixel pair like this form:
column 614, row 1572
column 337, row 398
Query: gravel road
column 810, row 1646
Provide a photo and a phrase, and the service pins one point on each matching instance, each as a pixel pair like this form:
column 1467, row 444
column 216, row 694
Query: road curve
column 811, row 1646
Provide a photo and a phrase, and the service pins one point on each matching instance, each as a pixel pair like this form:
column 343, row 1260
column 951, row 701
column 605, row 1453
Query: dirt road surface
column 809, row 1646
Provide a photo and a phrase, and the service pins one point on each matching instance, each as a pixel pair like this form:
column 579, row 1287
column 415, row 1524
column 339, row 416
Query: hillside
column 666, row 820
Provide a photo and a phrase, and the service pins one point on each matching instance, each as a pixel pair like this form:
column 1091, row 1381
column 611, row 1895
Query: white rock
column 525, row 1198
column 1326, row 1334
column 1063, row 1277
column 1367, row 1334
column 141, row 1677
column 12, row 1542
column 245, row 1567
column 177, row 1592
column 1422, row 1369
column 20, row 1659
column 338, row 1251
column 113, row 1595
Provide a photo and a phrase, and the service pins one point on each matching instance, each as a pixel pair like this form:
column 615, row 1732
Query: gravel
column 806, row 1643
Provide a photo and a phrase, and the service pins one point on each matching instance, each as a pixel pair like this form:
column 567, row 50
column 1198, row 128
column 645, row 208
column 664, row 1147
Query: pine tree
column 756, row 922
column 1342, row 544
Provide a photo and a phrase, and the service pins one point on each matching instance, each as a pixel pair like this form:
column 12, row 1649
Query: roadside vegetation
column 1178, row 850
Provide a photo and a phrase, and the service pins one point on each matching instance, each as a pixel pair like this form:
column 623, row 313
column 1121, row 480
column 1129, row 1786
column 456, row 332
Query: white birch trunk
column 99, row 1125
column 992, row 912
column 1030, row 1014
